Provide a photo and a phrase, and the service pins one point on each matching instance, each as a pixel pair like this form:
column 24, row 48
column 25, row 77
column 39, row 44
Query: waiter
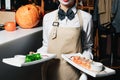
column 66, row 30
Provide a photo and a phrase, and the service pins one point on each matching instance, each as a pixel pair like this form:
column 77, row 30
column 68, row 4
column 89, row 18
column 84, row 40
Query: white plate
column 106, row 72
column 19, row 60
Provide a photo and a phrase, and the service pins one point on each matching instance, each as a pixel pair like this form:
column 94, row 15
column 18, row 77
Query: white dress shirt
column 86, row 35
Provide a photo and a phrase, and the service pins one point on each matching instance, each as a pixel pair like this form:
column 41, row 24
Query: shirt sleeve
column 87, row 38
column 43, row 49
column 87, row 35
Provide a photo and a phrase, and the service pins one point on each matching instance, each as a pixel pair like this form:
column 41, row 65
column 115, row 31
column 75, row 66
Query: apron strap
column 55, row 25
column 80, row 19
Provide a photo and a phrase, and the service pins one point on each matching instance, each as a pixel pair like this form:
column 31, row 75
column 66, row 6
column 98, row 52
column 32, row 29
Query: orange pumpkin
column 27, row 16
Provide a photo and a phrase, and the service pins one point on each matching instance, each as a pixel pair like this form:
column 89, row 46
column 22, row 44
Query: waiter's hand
column 87, row 54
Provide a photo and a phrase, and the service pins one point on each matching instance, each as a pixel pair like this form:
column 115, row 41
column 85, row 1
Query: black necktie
column 70, row 14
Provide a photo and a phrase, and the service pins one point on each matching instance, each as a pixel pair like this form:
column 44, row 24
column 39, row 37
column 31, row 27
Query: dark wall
column 20, row 46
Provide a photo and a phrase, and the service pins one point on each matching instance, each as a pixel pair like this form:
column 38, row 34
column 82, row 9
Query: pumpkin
column 27, row 16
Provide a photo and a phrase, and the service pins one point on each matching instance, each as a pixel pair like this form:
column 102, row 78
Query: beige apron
column 62, row 40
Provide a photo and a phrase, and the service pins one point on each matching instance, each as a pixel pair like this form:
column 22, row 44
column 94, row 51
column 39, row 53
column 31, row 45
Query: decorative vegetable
column 28, row 16
column 10, row 26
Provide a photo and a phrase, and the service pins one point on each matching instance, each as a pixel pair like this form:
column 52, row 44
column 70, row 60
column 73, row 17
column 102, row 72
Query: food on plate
column 32, row 56
column 82, row 61
column 87, row 63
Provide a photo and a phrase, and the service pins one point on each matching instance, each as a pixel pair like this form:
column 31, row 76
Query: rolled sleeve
column 87, row 35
